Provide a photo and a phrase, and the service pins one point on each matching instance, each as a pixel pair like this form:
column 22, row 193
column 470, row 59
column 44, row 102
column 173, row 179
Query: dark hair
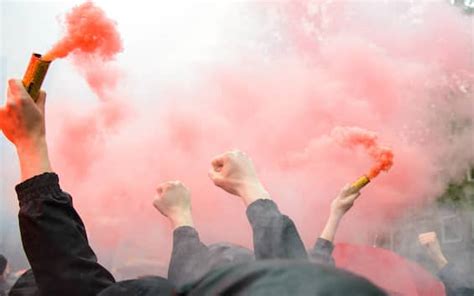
column 3, row 264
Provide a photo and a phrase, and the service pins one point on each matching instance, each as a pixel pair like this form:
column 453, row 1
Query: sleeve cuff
column 185, row 231
column 255, row 209
column 39, row 183
column 446, row 272
column 324, row 244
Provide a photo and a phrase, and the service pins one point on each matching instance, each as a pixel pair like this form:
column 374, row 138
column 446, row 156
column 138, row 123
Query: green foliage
column 459, row 195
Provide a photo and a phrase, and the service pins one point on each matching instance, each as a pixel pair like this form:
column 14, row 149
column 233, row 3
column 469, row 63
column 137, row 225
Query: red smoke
column 88, row 31
column 278, row 103
column 352, row 137
column 92, row 41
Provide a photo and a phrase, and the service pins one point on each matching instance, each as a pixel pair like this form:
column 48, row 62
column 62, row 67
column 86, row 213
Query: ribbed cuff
column 324, row 246
column 446, row 273
column 46, row 182
column 259, row 207
column 185, row 231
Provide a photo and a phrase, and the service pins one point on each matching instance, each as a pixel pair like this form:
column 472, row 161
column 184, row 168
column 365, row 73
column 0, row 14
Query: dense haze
column 273, row 79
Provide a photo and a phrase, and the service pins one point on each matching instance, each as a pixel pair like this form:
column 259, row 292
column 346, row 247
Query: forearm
column 33, row 157
column 440, row 261
column 55, row 240
column 330, row 229
column 274, row 235
column 189, row 258
column 455, row 282
column 250, row 192
column 322, row 252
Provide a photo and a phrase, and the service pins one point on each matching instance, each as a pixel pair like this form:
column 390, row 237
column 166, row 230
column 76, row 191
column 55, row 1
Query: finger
column 41, row 101
column 156, row 199
column 351, row 198
column 218, row 162
column 17, row 90
column 215, row 177
column 160, row 189
column 10, row 97
column 423, row 235
column 428, row 236
column 346, row 190
column 237, row 152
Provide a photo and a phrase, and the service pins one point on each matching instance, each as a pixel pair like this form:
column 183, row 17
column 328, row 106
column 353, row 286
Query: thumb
column 346, row 190
column 215, row 177
column 17, row 90
column 41, row 101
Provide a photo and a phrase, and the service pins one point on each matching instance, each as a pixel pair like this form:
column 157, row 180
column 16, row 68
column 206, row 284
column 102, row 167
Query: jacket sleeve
column 189, row 258
column 55, row 240
column 322, row 252
column 454, row 283
column 274, row 235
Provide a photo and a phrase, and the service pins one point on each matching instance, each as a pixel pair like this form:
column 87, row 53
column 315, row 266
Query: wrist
column 251, row 192
column 330, row 229
column 336, row 216
column 440, row 261
column 33, row 156
column 182, row 219
column 31, row 145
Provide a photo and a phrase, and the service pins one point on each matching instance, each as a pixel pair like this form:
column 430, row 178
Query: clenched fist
column 429, row 241
column 344, row 201
column 173, row 200
column 234, row 172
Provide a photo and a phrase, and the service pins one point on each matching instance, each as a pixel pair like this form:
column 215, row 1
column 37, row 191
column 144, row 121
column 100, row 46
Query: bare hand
column 430, row 242
column 173, row 200
column 21, row 119
column 344, row 201
column 235, row 173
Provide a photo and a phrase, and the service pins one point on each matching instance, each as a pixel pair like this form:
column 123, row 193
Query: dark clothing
column 282, row 277
column 25, row 285
column 63, row 263
column 191, row 259
column 454, row 283
column 55, row 241
column 274, row 237
column 148, row 286
column 322, row 252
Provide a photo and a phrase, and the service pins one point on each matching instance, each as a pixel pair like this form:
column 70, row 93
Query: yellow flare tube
column 360, row 183
column 34, row 76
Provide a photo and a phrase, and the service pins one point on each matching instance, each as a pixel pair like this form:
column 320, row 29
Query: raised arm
column 22, row 122
column 274, row 234
column 190, row 257
column 53, row 235
column 322, row 251
column 454, row 282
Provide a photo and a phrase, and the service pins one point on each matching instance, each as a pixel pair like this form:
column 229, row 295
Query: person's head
column 3, row 265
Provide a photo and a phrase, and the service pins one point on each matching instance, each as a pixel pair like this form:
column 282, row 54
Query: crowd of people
column 63, row 263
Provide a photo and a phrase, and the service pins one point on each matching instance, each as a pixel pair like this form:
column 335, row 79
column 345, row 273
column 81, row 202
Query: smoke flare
column 352, row 137
column 88, row 31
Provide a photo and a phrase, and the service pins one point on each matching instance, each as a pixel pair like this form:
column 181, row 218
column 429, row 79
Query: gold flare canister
column 360, row 183
column 34, row 76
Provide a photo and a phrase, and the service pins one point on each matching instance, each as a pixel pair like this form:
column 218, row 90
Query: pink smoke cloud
column 345, row 72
